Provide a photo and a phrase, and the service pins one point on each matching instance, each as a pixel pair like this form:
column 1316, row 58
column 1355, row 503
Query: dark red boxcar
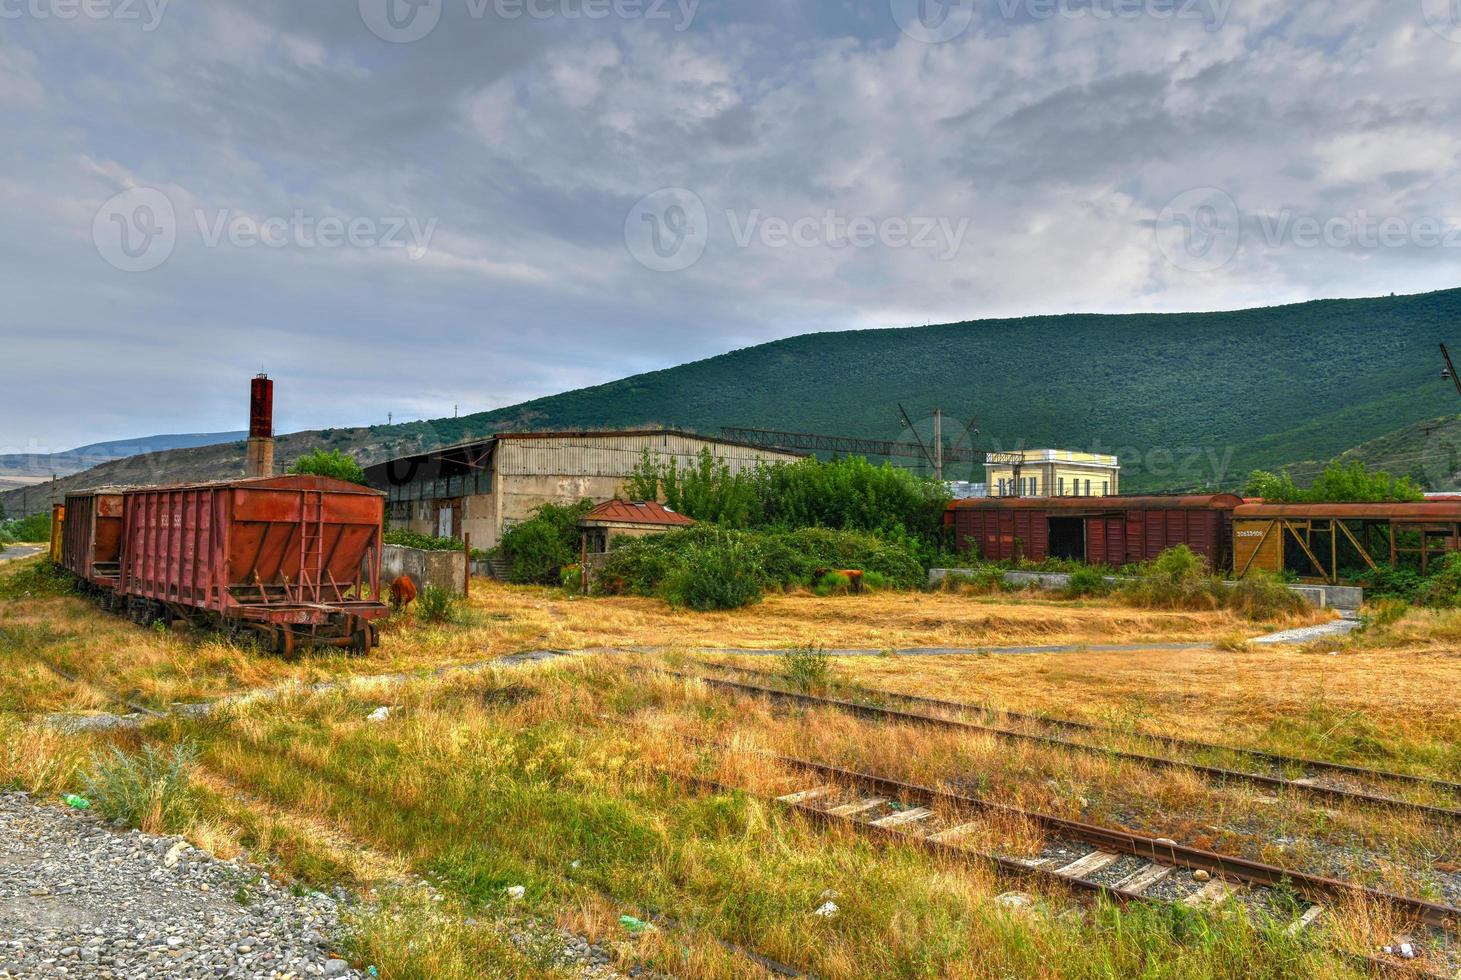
column 1111, row 531
column 291, row 558
column 91, row 537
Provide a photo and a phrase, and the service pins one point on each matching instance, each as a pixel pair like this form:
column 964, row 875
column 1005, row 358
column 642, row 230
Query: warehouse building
column 481, row 488
column 1052, row 473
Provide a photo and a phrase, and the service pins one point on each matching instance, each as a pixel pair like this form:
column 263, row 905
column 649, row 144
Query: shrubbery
column 332, row 463
column 437, row 605
column 35, row 529
column 151, row 790
column 716, row 572
column 1179, row 578
column 1351, row 482
column 680, row 565
column 848, row 494
column 1087, row 581
column 540, row 546
column 422, row 542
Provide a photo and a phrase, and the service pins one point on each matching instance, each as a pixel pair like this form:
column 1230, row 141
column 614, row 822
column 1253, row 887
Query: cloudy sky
column 401, row 206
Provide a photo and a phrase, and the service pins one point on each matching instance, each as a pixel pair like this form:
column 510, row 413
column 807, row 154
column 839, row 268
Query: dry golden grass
column 1237, row 698
column 111, row 654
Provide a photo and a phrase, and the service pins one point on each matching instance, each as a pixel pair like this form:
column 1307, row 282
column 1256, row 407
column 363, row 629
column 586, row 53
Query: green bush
column 35, row 529
column 1442, row 588
column 848, row 494
column 332, row 463
column 1087, row 581
column 34, row 580
column 778, row 559
column 1261, row 597
column 833, row 583
column 1386, row 582
column 1351, row 482
column 979, row 580
column 1386, row 612
column 807, row 669
column 541, row 545
column 1177, row 579
column 422, row 542
column 721, row 573
column 151, row 790
column 436, row 605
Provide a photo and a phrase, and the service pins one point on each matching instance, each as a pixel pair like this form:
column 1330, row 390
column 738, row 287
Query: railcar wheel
column 284, row 642
column 362, row 640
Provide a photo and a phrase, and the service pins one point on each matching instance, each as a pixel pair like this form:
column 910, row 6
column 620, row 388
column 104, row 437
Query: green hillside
column 1429, row 452
column 1186, row 399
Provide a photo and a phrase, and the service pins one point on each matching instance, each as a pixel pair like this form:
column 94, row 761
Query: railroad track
column 1121, row 866
column 1311, row 768
column 1219, row 775
column 78, row 681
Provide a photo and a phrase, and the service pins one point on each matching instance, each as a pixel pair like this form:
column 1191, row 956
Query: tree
column 1340, row 483
column 332, row 463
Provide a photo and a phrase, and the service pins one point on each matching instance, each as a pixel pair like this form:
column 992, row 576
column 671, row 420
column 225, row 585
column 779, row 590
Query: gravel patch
column 81, row 898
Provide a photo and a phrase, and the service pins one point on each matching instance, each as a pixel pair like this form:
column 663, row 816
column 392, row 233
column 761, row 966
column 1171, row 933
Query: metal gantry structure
column 936, row 455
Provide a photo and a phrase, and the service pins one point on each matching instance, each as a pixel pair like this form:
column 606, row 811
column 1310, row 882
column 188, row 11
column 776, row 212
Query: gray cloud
column 525, row 144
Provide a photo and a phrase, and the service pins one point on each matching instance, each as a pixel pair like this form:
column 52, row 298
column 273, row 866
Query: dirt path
column 18, row 551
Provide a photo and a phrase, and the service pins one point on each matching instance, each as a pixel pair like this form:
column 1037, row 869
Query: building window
column 1088, row 488
column 1061, row 484
column 1105, row 488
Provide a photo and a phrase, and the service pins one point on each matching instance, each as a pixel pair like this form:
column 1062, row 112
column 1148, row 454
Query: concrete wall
column 443, row 569
column 527, row 473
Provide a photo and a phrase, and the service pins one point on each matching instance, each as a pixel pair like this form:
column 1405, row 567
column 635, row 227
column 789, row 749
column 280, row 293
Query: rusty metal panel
column 91, row 537
column 297, row 541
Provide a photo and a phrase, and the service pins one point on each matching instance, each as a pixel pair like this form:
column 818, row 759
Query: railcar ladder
column 311, row 544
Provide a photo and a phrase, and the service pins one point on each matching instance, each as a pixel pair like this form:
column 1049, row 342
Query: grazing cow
column 403, row 593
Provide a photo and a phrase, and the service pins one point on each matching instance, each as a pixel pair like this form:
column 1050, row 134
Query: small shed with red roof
column 627, row 518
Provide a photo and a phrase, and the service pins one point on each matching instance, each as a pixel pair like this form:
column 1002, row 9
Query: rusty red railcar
column 91, row 537
column 1111, row 531
column 293, row 559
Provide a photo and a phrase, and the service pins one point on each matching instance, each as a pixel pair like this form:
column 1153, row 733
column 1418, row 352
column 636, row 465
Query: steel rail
column 1316, row 888
column 1318, row 765
column 1012, row 868
column 1155, row 762
column 66, row 675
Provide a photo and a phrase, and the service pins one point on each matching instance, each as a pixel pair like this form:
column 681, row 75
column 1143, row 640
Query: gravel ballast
column 81, row 898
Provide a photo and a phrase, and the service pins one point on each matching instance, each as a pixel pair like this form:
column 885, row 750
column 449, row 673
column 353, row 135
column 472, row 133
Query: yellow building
column 1052, row 473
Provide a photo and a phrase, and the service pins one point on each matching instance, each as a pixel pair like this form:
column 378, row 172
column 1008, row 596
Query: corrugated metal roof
column 1443, row 511
column 463, row 451
column 1220, row 501
column 636, row 512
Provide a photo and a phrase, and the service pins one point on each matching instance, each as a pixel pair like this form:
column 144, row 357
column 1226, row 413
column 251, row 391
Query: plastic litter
column 634, row 925
column 379, row 714
column 77, row 802
column 516, row 892
column 826, row 910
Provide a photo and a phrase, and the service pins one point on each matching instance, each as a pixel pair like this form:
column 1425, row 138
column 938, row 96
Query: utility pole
column 938, row 444
column 1449, row 371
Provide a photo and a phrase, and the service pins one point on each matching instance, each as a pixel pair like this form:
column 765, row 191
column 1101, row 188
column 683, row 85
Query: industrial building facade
column 1053, row 473
column 483, row 487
